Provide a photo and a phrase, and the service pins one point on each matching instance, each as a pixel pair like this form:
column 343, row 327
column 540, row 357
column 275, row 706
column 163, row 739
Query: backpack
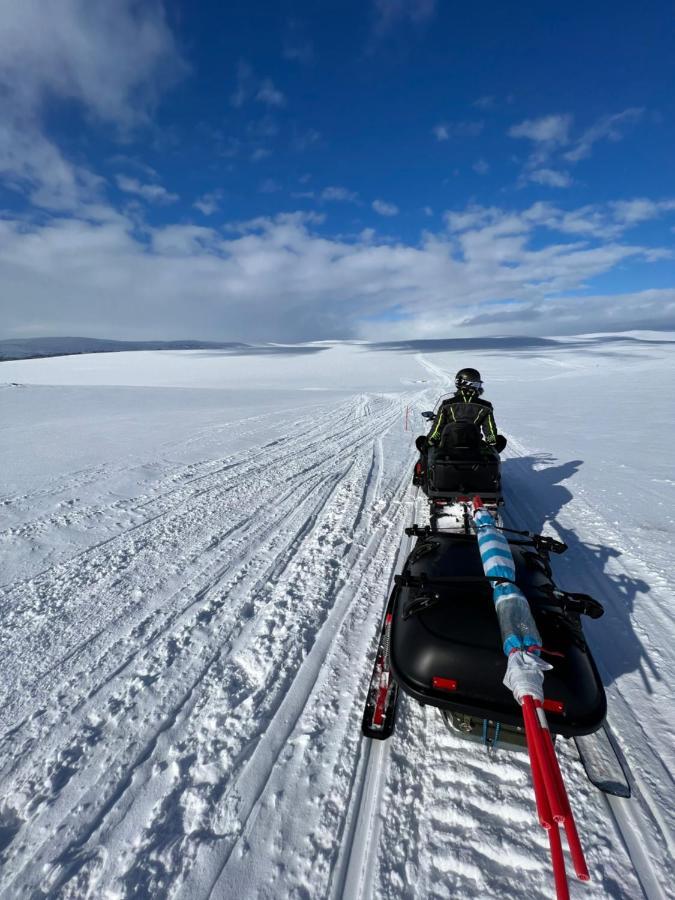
column 460, row 434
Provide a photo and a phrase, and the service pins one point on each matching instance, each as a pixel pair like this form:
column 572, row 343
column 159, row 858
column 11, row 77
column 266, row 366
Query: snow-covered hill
column 196, row 551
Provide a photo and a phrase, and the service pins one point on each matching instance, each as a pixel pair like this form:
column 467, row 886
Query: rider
column 466, row 406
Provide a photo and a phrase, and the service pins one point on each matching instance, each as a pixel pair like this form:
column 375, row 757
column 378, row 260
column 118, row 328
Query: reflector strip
column 554, row 706
column 444, row 684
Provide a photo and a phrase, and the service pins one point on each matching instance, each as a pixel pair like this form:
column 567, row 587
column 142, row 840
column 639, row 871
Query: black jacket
column 465, row 406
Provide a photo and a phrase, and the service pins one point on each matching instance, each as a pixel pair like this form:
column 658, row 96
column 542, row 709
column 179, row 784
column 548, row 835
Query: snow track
column 184, row 665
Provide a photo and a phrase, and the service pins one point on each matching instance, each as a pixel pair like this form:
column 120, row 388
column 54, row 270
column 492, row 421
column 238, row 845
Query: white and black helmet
column 469, row 379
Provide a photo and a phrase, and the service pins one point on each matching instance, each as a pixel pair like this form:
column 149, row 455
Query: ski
column 379, row 715
column 603, row 764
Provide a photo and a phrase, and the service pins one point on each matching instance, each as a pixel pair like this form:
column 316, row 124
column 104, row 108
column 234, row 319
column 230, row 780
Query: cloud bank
column 282, row 279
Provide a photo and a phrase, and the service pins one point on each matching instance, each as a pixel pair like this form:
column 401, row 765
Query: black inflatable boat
column 443, row 644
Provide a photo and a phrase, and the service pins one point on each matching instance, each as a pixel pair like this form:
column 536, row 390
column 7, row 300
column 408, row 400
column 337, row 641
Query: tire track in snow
column 97, row 571
column 276, row 522
column 355, row 866
column 146, row 760
column 244, row 465
column 322, row 750
column 166, row 715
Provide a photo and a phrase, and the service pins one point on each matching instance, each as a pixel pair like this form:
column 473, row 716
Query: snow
column 196, row 550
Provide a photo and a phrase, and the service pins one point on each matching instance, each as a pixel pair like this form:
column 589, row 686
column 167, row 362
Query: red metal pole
column 576, row 850
column 562, row 890
column 534, row 731
column 543, row 807
column 544, row 812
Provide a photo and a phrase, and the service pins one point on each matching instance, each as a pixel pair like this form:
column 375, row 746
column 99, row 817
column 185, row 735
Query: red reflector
column 554, row 706
column 444, row 684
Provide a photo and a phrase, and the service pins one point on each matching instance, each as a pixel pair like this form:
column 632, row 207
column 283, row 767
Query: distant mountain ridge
column 35, row 348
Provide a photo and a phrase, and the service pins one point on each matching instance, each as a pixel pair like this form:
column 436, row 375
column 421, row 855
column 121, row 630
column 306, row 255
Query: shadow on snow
column 535, row 495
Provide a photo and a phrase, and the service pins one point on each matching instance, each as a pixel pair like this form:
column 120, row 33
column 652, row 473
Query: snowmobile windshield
column 441, row 400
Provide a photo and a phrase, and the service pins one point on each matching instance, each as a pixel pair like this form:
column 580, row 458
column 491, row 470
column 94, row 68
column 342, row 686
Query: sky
column 376, row 169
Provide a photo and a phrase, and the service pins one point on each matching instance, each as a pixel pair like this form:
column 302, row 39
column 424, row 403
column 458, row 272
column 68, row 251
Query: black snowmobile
column 457, row 468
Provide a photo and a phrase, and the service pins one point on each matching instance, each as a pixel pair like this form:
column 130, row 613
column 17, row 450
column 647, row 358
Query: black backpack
column 457, row 435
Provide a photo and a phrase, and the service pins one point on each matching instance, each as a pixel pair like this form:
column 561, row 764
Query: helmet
column 469, row 378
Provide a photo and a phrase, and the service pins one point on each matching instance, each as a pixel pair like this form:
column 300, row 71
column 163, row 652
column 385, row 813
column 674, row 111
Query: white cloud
column 610, row 128
column 486, row 102
column 582, row 314
column 131, row 162
column 297, row 46
column 602, row 222
column 552, row 129
column 112, row 61
column 31, row 163
column 382, row 208
column 208, row 204
column 550, row 177
column 446, row 131
column 269, row 186
column 303, row 140
column 481, row 167
column 262, row 128
column 632, row 212
column 270, row 95
column 339, row 194
column 389, row 13
column 244, row 85
column 551, row 136
column 279, row 279
column 153, row 193
column 248, row 87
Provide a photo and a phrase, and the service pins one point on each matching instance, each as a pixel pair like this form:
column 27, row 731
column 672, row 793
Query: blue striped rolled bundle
column 518, row 629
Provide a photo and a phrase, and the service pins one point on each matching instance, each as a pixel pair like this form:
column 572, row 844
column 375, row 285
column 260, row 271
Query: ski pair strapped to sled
column 379, row 715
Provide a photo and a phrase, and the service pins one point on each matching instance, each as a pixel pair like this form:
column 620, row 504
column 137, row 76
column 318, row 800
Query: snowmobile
column 459, row 467
column 463, row 608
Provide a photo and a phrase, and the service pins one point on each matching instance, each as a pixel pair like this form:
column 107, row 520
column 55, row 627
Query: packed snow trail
column 184, row 674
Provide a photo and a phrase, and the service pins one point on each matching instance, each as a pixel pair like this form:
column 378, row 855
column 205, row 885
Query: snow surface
column 196, row 552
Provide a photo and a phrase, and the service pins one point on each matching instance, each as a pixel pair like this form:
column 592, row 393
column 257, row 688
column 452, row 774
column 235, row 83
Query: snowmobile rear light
column 554, row 706
column 444, row 684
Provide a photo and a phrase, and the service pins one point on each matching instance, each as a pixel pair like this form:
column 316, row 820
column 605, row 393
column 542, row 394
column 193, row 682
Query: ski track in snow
column 184, row 694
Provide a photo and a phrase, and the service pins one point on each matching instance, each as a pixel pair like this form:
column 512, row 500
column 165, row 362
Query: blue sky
column 377, row 169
